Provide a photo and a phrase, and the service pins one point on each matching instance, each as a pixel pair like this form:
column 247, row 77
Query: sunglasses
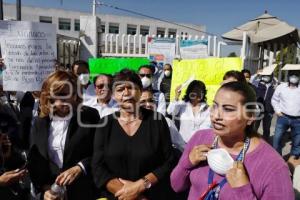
column 103, row 86
column 147, row 75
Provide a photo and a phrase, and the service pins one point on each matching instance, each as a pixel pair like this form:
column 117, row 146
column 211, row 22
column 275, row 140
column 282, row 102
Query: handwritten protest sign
column 209, row 70
column 29, row 53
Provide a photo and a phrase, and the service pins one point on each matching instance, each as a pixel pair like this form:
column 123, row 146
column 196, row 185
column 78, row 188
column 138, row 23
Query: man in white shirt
column 103, row 101
column 286, row 103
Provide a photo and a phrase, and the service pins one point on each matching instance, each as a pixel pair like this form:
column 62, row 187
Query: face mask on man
column 84, row 79
column 294, row 80
column 266, row 79
column 146, row 82
column 167, row 73
column 219, row 160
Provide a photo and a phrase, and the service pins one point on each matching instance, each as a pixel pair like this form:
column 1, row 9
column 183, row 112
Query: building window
column 113, row 28
column 102, row 27
column 160, row 31
column 144, row 30
column 172, row 32
column 131, row 29
column 77, row 25
column 45, row 19
column 64, row 24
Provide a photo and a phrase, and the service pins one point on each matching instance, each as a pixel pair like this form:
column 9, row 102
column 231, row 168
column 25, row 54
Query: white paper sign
column 29, row 53
column 162, row 50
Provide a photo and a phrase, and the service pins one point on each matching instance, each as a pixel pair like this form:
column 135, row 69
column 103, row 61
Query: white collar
column 58, row 118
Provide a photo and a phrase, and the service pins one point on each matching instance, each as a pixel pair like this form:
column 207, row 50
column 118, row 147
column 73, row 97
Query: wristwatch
column 147, row 183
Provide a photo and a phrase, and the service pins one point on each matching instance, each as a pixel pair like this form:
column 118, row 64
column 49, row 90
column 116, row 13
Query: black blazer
column 78, row 148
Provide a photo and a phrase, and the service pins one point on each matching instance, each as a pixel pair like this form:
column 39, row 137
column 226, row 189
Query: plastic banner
column 113, row 65
column 193, row 49
column 210, row 71
column 161, row 50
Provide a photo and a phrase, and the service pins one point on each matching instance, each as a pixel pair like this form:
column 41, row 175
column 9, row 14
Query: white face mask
column 146, row 82
column 167, row 73
column 219, row 160
column 84, row 79
column 294, row 79
column 266, row 79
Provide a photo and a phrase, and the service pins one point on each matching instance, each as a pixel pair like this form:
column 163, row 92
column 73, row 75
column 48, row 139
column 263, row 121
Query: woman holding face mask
column 132, row 151
column 62, row 140
column 192, row 112
column 231, row 161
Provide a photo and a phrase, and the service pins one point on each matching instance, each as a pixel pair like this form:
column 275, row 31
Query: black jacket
column 264, row 96
column 78, row 148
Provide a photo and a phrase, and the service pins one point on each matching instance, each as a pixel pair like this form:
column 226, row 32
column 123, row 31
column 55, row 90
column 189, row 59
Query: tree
column 232, row 54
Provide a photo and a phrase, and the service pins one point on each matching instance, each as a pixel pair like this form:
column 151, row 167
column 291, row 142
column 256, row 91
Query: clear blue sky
column 219, row 16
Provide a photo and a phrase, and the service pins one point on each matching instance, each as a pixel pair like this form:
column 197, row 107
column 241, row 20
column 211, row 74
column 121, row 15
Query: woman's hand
column 68, row 176
column 49, row 196
column 199, row 154
column 237, row 175
column 177, row 92
column 130, row 190
column 11, row 177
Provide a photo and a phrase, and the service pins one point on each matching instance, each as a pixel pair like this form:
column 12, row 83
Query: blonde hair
column 53, row 85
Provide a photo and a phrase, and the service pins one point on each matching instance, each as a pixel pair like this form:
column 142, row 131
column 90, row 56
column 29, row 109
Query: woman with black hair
column 133, row 154
column 192, row 112
column 231, row 161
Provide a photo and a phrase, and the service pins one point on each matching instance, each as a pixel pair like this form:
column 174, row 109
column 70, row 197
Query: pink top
column 268, row 173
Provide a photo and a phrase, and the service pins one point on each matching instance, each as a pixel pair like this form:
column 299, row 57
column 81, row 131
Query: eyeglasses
column 147, row 75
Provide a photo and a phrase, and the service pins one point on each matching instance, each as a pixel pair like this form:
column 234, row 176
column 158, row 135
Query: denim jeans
column 282, row 125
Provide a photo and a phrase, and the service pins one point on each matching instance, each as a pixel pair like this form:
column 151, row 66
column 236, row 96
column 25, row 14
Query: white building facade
column 68, row 22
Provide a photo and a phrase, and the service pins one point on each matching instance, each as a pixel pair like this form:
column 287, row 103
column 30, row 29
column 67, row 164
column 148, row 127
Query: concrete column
column 89, row 42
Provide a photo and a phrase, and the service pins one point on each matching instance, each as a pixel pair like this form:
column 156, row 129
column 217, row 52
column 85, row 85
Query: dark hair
column 151, row 67
column 110, row 77
column 249, row 97
column 195, row 84
column 149, row 89
column 235, row 74
column 128, row 75
column 80, row 63
column 246, row 71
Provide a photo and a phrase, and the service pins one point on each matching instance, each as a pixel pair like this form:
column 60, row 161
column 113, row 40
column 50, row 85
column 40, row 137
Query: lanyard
column 213, row 190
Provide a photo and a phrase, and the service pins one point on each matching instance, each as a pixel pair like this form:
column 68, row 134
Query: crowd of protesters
column 121, row 136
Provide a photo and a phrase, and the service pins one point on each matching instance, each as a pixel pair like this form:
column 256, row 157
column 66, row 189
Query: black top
column 117, row 155
column 264, row 96
column 165, row 87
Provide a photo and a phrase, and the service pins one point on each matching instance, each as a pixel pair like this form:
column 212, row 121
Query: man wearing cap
column 287, row 107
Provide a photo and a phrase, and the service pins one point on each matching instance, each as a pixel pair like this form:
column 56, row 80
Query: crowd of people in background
column 121, row 136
